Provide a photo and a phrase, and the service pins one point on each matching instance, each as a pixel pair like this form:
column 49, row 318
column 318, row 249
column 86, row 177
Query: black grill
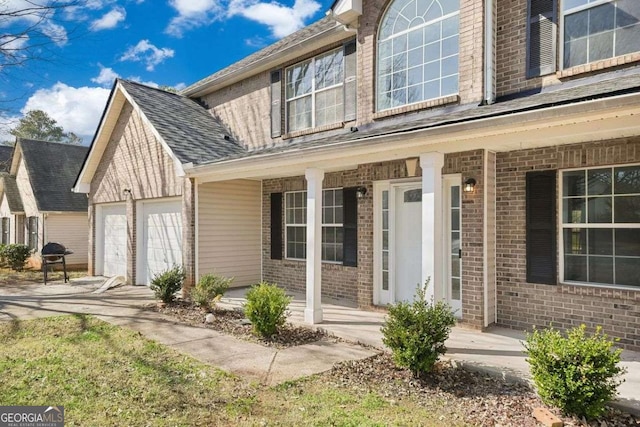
column 54, row 253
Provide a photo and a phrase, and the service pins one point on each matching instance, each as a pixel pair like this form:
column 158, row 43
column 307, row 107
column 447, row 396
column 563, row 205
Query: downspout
column 489, row 63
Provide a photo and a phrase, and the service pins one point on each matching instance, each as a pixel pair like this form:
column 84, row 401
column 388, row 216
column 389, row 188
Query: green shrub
column 210, row 289
column 165, row 285
column 577, row 373
column 15, row 255
column 416, row 331
column 3, row 261
column 266, row 308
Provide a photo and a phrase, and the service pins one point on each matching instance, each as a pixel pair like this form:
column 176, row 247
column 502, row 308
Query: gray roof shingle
column 318, row 27
column 192, row 133
column 52, row 168
column 13, row 195
column 6, row 153
column 625, row 81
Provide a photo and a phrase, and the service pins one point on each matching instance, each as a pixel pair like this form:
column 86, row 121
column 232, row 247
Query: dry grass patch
column 27, row 276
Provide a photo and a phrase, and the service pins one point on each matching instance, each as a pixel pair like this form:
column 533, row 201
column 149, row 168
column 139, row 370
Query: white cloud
column 77, row 110
column 7, row 122
column 24, row 15
column 192, row 14
column 282, row 20
column 110, row 19
column 106, row 76
column 147, row 53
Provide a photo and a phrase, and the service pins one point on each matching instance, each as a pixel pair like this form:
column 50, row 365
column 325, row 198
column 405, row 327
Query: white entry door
column 162, row 237
column 408, row 241
column 453, row 248
column 114, row 240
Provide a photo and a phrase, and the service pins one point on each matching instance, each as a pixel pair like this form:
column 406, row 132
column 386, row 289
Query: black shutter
column 541, row 37
column 541, row 227
column 276, row 225
column 350, row 89
column 276, row 103
column 350, row 227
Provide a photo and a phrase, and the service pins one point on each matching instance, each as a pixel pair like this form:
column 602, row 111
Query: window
column 418, row 44
column 5, row 231
column 32, row 233
column 332, row 226
column 314, row 91
column 599, row 29
column 601, row 225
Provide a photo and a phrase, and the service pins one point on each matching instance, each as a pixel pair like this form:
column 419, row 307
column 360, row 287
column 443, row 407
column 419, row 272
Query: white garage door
column 114, row 247
column 162, row 237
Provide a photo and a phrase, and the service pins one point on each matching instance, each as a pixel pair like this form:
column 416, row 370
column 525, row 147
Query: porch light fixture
column 412, row 166
column 469, row 185
column 126, row 192
column 361, row 192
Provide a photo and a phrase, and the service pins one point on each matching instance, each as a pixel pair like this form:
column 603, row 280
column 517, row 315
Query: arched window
column 418, row 44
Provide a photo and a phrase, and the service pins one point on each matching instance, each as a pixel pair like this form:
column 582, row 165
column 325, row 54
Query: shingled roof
column 52, row 169
column 190, row 131
column 292, row 40
column 12, row 193
column 6, row 152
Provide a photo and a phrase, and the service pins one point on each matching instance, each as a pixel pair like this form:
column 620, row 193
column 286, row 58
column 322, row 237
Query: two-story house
column 492, row 147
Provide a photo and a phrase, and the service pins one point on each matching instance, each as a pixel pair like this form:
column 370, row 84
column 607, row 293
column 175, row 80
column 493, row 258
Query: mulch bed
column 473, row 398
column 233, row 322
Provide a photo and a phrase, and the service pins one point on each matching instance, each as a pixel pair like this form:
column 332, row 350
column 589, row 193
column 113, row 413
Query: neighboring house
column 6, row 152
column 492, row 147
column 37, row 205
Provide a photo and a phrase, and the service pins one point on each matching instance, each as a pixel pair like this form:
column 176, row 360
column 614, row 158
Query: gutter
column 253, row 68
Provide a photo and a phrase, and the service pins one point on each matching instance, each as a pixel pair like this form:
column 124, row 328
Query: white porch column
column 313, row 310
column 432, row 224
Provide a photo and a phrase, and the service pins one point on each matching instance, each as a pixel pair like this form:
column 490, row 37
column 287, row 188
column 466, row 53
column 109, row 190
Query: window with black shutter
column 32, row 229
column 541, row 227
column 5, row 231
column 541, row 37
column 276, row 103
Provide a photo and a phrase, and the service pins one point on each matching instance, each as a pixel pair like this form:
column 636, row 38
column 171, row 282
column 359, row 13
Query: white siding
column 229, row 230
column 72, row 231
column 6, row 213
column 26, row 191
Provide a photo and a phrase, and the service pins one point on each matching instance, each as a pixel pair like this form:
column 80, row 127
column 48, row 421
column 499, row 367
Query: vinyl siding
column 72, row 231
column 26, row 191
column 229, row 232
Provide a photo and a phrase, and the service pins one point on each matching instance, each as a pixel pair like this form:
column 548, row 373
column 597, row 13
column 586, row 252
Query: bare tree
column 27, row 27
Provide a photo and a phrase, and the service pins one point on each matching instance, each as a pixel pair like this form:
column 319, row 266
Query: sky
column 81, row 48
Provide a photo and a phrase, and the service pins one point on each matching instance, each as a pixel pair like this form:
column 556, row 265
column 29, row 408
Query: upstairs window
column 314, row 92
column 599, row 29
column 418, row 46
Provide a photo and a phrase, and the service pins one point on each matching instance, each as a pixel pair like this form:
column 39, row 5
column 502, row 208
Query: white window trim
column 287, row 225
column 377, row 69
column 562, row 13
column 313, row 91
column 561, row 226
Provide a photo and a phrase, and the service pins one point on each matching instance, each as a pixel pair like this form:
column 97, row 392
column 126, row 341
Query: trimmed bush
column 416, row 331
column 266, row 308
column 165, row 285
column 578, row 373
column 210, row 289
column 15, row 256
column 3, row 261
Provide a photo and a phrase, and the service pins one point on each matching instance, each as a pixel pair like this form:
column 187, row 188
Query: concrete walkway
column 123, row 306
column 497, row 352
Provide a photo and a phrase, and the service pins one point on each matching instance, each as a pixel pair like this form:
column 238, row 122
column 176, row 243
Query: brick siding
column 522, row 305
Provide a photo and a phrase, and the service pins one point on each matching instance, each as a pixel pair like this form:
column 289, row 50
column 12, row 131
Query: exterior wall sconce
column 469, row 185
column 412, row 166
column 126, row 192
column 361, row 192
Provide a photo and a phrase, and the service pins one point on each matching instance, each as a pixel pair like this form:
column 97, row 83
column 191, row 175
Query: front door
column 453, row 248
column 408, row 239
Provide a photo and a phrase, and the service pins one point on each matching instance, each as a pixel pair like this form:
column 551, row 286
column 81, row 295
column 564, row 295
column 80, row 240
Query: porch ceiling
column 585, row 122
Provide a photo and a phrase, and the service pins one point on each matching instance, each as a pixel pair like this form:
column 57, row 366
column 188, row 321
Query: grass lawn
column 10, row 277
column 106, row 375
